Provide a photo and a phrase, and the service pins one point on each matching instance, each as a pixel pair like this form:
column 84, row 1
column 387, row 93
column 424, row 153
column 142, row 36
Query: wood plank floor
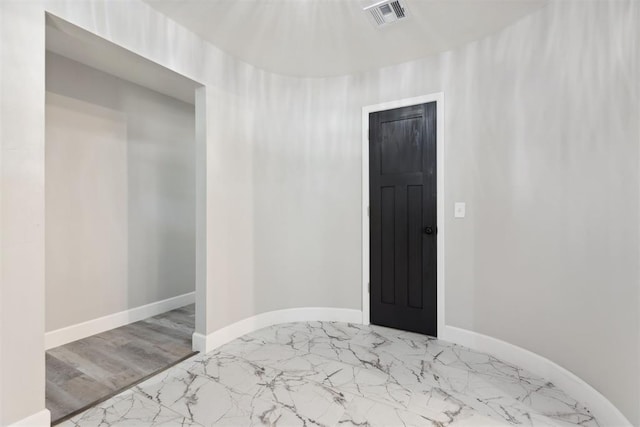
column 88, row 371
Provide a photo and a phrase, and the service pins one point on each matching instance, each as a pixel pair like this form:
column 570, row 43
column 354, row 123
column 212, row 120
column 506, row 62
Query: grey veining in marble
column 319, row 373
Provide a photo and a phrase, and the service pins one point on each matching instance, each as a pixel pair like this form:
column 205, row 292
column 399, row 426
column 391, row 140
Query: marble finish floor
column 85, row 372
column 330, row 374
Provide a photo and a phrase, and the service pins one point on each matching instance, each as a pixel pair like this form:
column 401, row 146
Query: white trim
column 39, row 419
column 202, row 231
column 205, row 344
column 200, row 343
column 440, row 146
column 605, row 412
column 91, row 327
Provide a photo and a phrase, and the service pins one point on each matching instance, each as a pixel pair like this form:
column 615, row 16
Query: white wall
column 307, row 194
column 22, row 210
column 542, row 134
column 120, row 195
column 542, row 142
column 227, row 100
column 283, row 183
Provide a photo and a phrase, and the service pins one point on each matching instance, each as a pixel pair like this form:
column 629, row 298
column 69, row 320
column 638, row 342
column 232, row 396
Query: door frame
column 438, row 98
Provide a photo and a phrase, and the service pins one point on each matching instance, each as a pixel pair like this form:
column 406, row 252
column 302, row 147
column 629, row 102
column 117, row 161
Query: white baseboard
column 39, row 419
column 604, row 411
column 85, row 329
column 207, row 343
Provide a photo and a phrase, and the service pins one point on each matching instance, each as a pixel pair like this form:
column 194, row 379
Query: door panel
column 402, row 144
column 388, row 247
column 414, row 249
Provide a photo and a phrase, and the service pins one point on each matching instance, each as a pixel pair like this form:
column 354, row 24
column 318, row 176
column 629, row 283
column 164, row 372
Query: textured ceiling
column 333, row 37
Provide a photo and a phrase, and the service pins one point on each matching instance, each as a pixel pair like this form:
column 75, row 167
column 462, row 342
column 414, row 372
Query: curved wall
column 542, row 141
column 543, row 137
column 307, row 194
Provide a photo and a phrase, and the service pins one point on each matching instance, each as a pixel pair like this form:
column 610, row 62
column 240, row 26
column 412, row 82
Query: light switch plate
column 460, row 209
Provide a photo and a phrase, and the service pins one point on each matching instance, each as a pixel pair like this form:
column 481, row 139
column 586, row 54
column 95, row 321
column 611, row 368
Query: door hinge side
column 369, row 287
column 369, row 211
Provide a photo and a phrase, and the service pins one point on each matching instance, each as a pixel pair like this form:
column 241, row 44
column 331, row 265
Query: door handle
column 428, row 230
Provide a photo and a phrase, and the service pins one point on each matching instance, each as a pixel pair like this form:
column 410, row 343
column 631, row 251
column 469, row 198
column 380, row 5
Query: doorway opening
column 411, row 287
column 123, row 194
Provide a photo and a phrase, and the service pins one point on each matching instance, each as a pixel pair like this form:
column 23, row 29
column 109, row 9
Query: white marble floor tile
column 265, row 354
column 210, row 389
column 233, row 372
column 323, row 373
column 365, row 412
column 128, row 409
column 308, row 402
column 273, row 414
column 199, row 399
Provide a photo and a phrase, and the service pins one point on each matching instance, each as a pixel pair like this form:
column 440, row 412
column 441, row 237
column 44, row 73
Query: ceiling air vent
column 386, row 12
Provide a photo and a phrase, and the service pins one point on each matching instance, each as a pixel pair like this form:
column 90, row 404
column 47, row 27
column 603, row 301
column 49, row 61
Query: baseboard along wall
column 207, row 343
column 95, row 326
column 604, row 411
